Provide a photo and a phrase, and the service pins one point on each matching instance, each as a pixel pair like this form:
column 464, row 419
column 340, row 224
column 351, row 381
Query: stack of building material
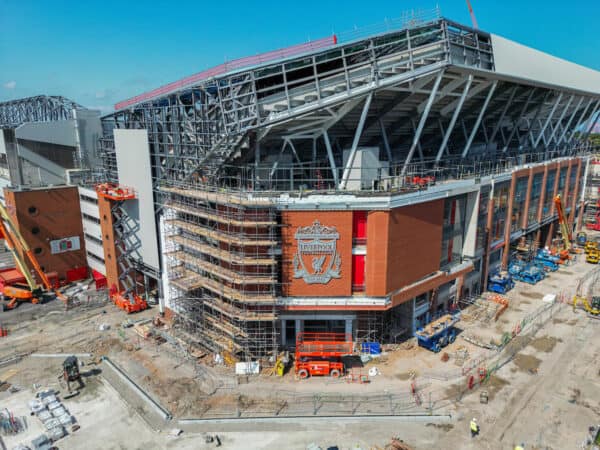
column 52, row 413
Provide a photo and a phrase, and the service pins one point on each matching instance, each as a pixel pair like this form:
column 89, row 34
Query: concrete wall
column 133, row 163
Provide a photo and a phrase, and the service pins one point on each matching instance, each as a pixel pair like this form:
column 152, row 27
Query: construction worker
column 474, row 427
column 520, row 447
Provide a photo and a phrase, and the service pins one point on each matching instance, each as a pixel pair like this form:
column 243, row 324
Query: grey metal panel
column 90, row 130
column 61, row 132
column 2, row 143
column 133, row 163
column 519, row 61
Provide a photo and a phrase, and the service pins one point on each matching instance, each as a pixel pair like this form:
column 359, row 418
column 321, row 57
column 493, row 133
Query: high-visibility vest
column 474, row 426
column 518, row 447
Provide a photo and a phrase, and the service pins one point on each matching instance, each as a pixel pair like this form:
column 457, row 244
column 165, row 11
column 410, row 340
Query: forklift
column 71, row 373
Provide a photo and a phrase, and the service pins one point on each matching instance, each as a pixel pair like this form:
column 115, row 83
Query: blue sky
column 100, row 52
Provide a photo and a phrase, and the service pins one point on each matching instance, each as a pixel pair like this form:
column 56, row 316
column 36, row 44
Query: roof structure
column 428, row 95
column 41, row 108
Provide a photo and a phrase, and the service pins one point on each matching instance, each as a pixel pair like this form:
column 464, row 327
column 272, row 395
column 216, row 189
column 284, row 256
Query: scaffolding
column 222, row 269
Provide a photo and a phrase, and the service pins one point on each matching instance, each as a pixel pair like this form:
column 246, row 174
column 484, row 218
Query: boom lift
column 14, row 242
column 567, row 237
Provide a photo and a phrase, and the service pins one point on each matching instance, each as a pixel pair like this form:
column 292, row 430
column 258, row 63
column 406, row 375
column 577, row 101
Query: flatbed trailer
column 438, row 333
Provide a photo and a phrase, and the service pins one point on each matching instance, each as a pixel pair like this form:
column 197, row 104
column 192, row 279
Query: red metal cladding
column 358, row 270
column 221, row 69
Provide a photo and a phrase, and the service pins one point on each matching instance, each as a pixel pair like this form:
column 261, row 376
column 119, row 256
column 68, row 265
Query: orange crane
column 16, row 244
column 567, row 237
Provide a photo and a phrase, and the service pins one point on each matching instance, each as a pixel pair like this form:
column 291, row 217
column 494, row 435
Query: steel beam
column 560, row 118
column 422, row 121
column 566, row 129
column 504, row 111
column 548, row 119
column 386, row 143
column 454, row 118
column 355, row 141
column 479, row 119
column 330, row 156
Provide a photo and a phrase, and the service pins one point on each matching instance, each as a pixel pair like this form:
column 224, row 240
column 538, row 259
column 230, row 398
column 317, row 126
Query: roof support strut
column 422, row 121
column 357, row 135
column 548, row 119
column 479, row 119
column 450, row 128
column 330, row 156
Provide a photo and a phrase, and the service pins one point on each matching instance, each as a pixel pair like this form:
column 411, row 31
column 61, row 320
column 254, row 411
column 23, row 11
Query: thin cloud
column 10, row 85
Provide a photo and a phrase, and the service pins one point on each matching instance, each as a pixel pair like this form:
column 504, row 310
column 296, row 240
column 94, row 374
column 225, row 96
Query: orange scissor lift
column 321, row 353
column 126, row 299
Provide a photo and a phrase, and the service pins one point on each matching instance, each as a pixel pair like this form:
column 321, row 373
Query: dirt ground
column 546, row 396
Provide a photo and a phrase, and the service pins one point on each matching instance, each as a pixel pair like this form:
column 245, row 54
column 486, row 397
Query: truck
column 500, row 282
column 438, row 333
column 320, row 354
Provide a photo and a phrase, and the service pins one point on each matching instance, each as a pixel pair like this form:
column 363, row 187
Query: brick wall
column 403, row 246
column 294, row 287
column 44, row 215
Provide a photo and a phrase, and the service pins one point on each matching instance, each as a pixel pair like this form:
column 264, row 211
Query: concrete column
column 575, row 193
column 459, row 284
column 283, row 332
column 542, row 196
column 299, row 326
column 565, row 192
column 508, row 223
column 488, row 243
column 580, row 216
column 348, row 329
column 552, row 207
column 524, row 219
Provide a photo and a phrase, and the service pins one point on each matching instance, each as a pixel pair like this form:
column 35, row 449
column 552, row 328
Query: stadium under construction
column 357, row 184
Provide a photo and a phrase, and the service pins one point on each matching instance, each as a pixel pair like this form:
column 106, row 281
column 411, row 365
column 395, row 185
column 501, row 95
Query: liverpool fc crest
column 317, row 259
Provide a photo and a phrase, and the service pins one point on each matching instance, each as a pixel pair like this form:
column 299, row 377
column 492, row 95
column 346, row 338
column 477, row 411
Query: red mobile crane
column 321, row 353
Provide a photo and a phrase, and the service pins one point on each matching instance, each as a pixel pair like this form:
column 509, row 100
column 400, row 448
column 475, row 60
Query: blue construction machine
column 546, row 261
column 528, row 273
column 500, row 282
column 438, row 333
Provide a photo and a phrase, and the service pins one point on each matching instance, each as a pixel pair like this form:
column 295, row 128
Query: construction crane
column 17, row 245
column 562, row 222
column 473, row 19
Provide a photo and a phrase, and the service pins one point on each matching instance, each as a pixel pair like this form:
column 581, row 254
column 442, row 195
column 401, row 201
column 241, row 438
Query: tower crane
column 473, row 18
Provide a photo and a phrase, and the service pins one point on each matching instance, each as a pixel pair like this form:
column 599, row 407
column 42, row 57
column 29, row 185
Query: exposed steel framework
column 42, row 108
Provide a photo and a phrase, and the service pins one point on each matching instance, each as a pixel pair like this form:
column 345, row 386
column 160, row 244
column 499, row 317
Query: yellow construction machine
column 593, row 256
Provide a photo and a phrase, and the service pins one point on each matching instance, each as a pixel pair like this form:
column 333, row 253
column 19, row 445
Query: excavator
column 15, row 243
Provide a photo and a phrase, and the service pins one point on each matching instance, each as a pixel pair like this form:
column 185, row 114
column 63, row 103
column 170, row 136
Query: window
column 88, row 199
column 91, row 218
